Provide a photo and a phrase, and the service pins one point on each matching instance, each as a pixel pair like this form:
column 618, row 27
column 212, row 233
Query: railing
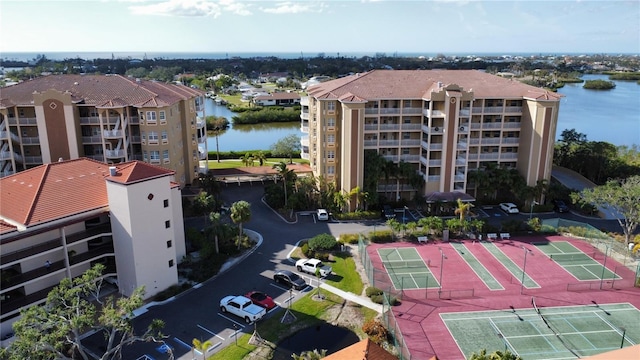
column 511, row 140
column 493, row 109
column 304, row 140
column 389, row 111
column 92, row 139
column 435, row 146
column 410, row 142
column 432, row 113
column 371, row 143
column 389, row 142
column 32, row 160
column 135, row 139
column 304, row 129
column 304, row 115
column 112, row 133
column 373, row 127
column 433, row 178
column 134, row 120
column 410, row 158
column 114, row 153
column 23, row 121
column 389, row 126
column 411, row 126
column 512, row 125
column 492, row 125
column 435, row 162
column 89, row 120
column 513, row 109
column 411, row 111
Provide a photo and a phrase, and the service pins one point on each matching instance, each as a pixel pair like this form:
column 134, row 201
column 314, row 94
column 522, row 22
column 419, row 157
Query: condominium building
column 443, row 123
column 59, row 219
column 108, row 118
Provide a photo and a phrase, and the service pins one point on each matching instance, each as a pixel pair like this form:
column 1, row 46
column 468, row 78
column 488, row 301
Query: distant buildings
column 108, row 118
column 443, row 123
column 59, row 219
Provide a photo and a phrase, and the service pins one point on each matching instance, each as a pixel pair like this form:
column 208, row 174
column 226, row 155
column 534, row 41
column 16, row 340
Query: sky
column 327, row 26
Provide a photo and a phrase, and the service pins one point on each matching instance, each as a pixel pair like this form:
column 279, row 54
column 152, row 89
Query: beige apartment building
column 59, row 219
column 109, row 118
column 444, row 123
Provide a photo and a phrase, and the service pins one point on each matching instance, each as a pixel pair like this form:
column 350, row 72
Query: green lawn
column 237, row 163
column 308, row 312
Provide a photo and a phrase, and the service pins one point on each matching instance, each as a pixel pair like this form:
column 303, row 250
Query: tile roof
column 418, row 84
column 58, row 190
column 362, row 350
column 6, row 227
column 99, row 90
column 135, row 171
column 278, row 96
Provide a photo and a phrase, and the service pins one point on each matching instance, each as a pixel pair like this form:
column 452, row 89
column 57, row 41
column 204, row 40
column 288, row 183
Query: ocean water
column 26, row 56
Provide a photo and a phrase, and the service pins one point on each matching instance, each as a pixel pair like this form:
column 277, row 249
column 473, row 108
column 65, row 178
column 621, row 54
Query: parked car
column 509, row 208
column 559, row 206
column 261, row 299
column 387, row 212
column 311, row 265
column 242, row 307
column 322, row 214
column 290, row 279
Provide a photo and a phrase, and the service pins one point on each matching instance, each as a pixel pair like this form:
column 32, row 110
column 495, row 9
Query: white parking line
column 279, row 287
column 210, row 332
column 233, row 321
column 182, row 343
column 274, row 308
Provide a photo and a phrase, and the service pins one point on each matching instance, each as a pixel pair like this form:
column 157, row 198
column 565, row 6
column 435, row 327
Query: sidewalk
column 362, row 300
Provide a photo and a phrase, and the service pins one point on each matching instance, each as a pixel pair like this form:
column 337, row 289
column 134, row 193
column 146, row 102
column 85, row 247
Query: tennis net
column 403, row 264
column 566, row 257
column 544, row 320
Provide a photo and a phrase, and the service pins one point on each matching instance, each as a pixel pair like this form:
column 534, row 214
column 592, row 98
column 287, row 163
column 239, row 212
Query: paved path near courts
column 358, row 299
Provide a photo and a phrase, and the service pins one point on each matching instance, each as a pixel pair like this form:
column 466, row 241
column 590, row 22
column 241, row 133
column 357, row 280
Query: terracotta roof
column 99, row 90
column 58, row 190
column 6, row 227
column 135, row 171
column 626, row 353
column 418, row 84
column 363, row 350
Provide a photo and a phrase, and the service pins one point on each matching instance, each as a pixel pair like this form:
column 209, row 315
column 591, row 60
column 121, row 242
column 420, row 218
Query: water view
column 247, row 137
column 603, row 115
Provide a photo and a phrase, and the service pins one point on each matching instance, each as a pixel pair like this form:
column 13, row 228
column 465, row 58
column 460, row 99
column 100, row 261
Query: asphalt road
column 195, row 314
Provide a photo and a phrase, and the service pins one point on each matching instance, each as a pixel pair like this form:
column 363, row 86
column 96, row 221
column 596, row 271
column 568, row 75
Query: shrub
column 370, row 291
column 376, row 331
column 305, row 250
column 322, row 242
column 349, row 238
column 382, row 236
column 378, row 299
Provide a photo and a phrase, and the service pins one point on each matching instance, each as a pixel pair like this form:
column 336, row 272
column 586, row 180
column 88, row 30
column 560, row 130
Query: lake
column 247, row 137
column 603, row 115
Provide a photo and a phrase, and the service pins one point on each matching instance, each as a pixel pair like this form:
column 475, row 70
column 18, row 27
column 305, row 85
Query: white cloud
column 290, row 7
column 191, row 8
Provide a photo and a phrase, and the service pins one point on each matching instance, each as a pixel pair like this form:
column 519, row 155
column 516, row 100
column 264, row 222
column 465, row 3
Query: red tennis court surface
column 418, row 317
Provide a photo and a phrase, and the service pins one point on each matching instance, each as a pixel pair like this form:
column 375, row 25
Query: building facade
column 58, row 220
column 108, row 118
column 442, row 123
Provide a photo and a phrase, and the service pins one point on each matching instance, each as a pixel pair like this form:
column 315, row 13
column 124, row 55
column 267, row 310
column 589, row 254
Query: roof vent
column 75, row 83
column 60, row 159
column 439, row 84
column 137, row 80
column 112, row 170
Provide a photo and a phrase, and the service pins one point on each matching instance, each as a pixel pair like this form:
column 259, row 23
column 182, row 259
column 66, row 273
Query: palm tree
column 215, row 228
column 359, row 195
column 260, row 157
column 217, row 125
column 203, row 204
column 286, row 175
column 240, row 214
column 201, row 346
column 463, row 209
column 247, row 159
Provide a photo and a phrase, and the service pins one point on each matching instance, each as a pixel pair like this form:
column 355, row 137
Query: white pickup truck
column 242, row 307
column 310, row 266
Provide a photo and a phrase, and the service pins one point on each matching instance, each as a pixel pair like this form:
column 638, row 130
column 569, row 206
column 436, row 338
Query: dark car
column 560, row 206
column 290, row 279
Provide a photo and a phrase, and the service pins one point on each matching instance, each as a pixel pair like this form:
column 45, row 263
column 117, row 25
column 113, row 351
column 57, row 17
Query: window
column 167, row 224
column 331, row 170
column 143, row 137
column 406, row 120
column 170, row 263
column 151, row 117
column 165, row 137
column 331, row 105
column 154, row 156
column 165, row 202
column 163, row 117
column 331, row 139
column 145, row 156
column 406, row 136
column 331, row 154
column 168, row 243
column 153, row 137
column 165, row 156
column 331, row 122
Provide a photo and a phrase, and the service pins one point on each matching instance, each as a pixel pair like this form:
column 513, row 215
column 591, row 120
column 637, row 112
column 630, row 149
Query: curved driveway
column 195, row 313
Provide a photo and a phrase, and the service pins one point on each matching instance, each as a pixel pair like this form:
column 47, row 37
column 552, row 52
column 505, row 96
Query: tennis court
column 547, row 332
column 579, row 264
column 407, row 269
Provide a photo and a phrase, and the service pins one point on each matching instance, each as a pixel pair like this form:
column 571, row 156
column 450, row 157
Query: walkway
column 362, row 300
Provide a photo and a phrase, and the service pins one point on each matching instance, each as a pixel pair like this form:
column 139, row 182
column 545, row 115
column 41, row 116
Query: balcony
column 23, row 121
column 435, row 146
column 497, row 125
column 135, row 139
column 304, row 101
column 304, row 141
column 84, row 120
column 512, row 125
column 465, row 111
column 371, row 143
column 114, row 154
column 433, row 113
column 511, row 140
column 411, row 111
column 6, row 173
column 387, row 143
column 305, row 156
column 112, row 133
column 8, row 134
column 386, row 111
column 513, row 109
column 304, row 129
column 435, row 162
column 433, row 178
column 370, row 127
column 410, row 142
column 493, row 109
column 92, row 139
column 410, row 158
column 98, row 157
column 304, row 114
column 389, row 127
column 134, row 120
column 411, row 126
column 31, row 160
